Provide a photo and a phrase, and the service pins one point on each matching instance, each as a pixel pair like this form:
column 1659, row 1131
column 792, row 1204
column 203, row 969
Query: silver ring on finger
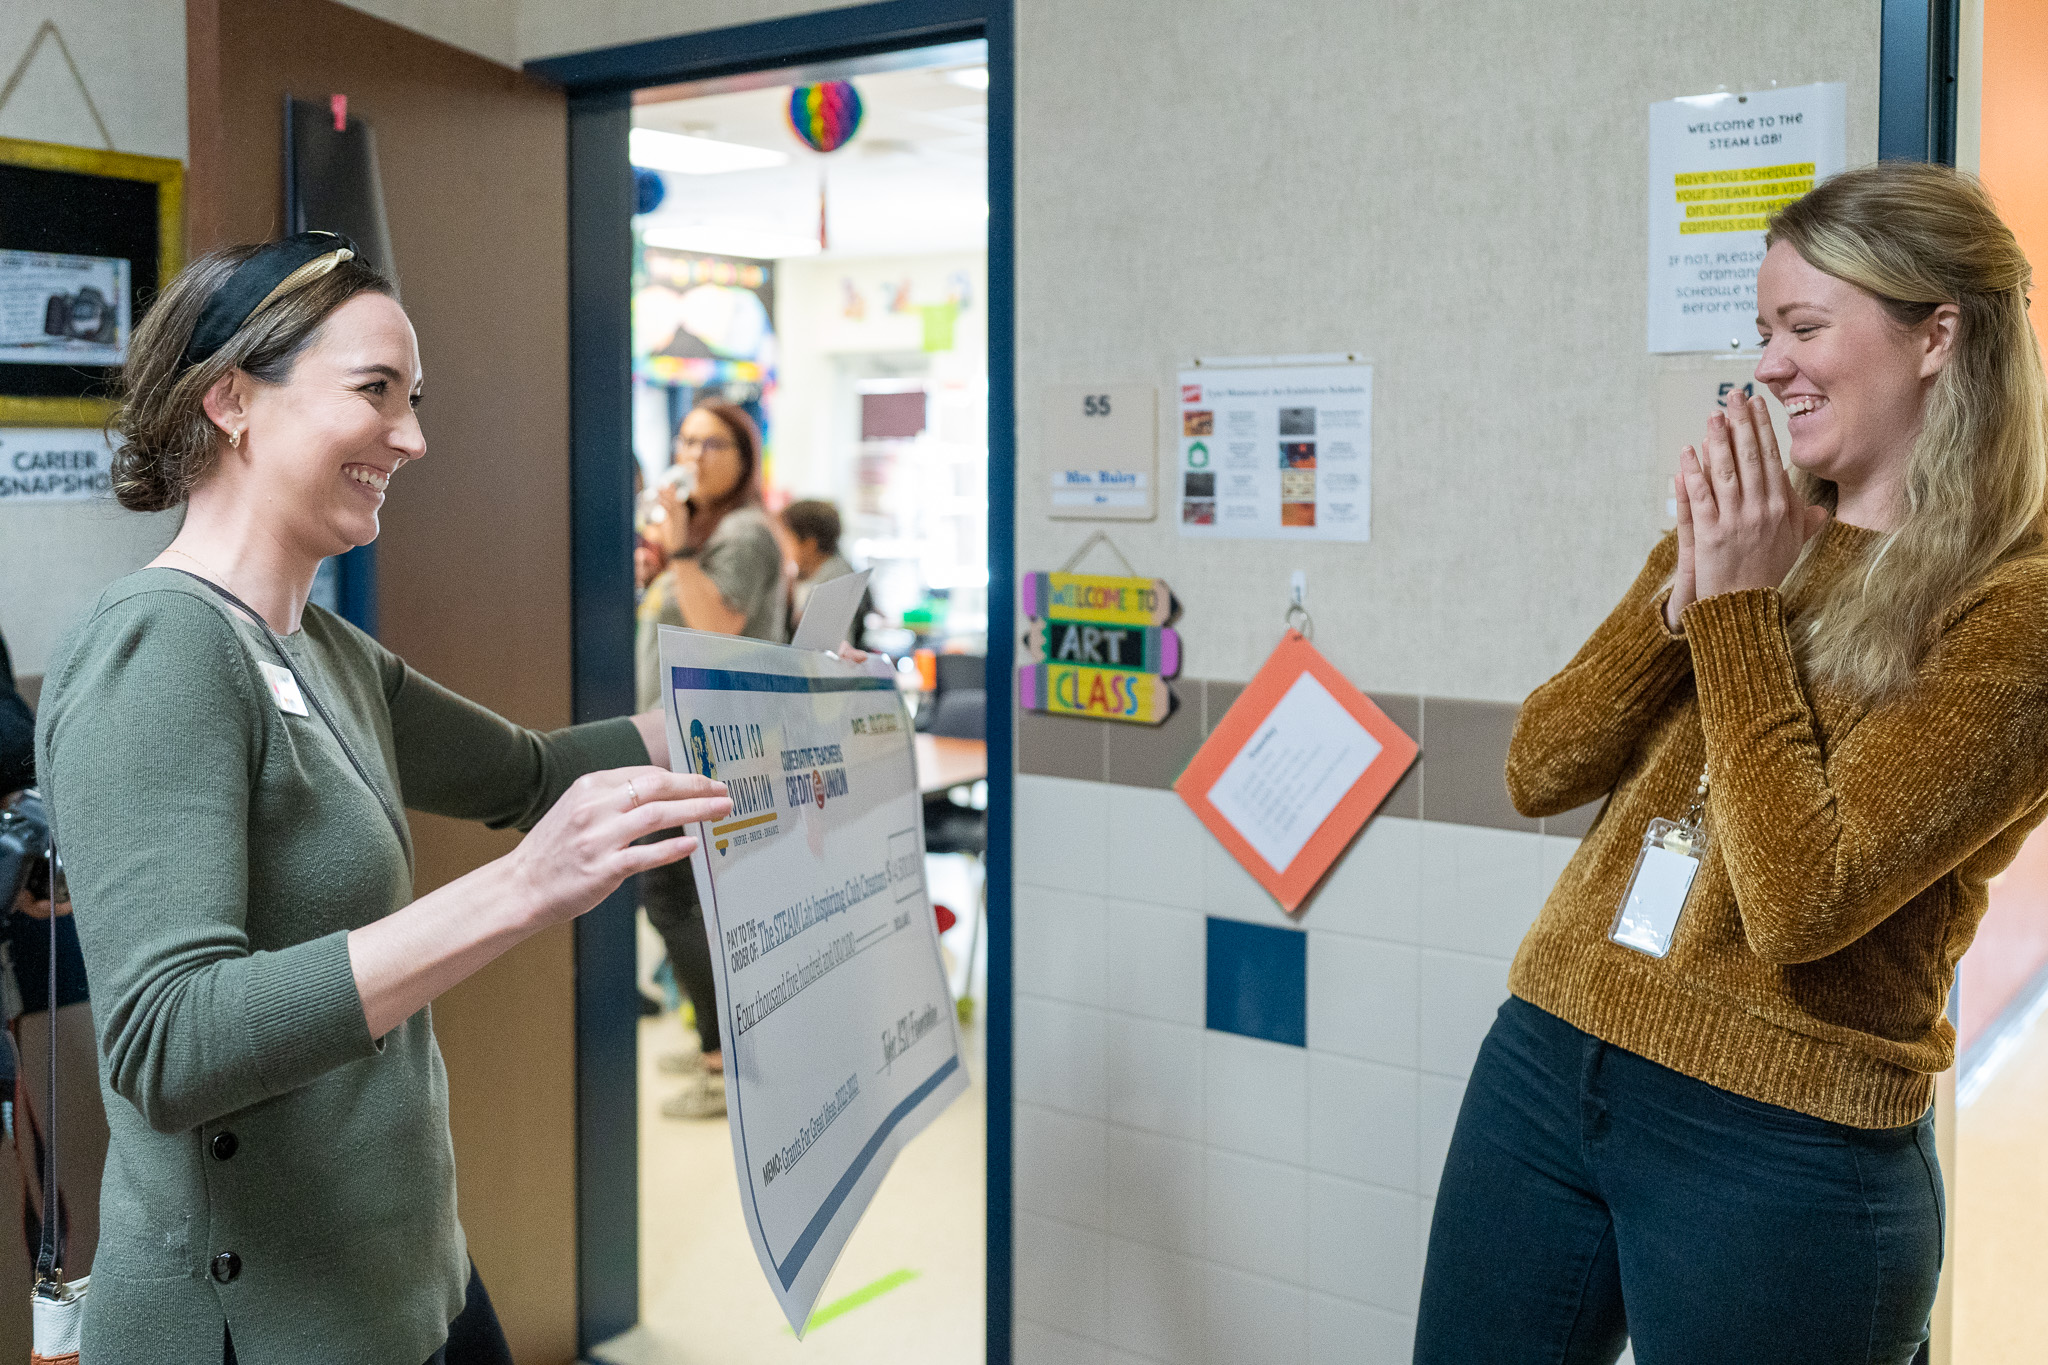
column 632, row 796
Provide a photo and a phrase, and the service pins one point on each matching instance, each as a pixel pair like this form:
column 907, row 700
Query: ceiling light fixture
column 686, row 155
column 973, row 77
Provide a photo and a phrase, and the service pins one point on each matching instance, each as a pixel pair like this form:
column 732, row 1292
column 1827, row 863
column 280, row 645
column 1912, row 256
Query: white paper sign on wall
column 1102, row 444
column 54, row 464
column 1719, row 165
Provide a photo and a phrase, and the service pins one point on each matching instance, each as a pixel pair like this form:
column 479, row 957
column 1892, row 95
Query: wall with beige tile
column 1187, row 1195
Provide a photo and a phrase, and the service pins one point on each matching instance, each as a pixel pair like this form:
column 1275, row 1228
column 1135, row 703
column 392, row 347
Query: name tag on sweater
column 284, row 689
column 1656, row 893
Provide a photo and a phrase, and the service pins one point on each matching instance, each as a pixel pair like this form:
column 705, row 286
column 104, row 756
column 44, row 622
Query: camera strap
column 49, row 1275
column 312, row 697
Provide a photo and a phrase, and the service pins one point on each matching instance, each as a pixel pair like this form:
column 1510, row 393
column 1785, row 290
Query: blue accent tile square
column 1258, row 981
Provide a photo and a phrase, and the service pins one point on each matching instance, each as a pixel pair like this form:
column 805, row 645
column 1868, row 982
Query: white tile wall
column 1078, row 813
column 1061, row 1165
column 1344, row 1332
column 1158, row 1190
column 1361, row 998
column 1253, row 1318
column 1464, row 993
column 1436, row 1114
column 1159, row 952
column 1155, row 835
column 1034, row 1344
column 1158, row 1298
column 1155, row 1076
column 1361, row 1120
column 1255, row 1097
column 1258, row 1215
column 1482, row 889
column 1362, row 1242
column 1195, row 1198
column 1060, row 1273
column 1059, row 1056
column 1377, row 888
column 1059, row 945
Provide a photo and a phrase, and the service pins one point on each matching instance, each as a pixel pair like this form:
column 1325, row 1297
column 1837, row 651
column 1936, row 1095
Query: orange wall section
column 2012, row 942
column 2014, row 159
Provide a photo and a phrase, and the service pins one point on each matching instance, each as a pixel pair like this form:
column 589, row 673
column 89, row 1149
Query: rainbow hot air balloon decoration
column 825, row 115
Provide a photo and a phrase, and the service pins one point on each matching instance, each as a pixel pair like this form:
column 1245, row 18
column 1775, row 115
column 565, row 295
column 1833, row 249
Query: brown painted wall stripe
column 1459, row 778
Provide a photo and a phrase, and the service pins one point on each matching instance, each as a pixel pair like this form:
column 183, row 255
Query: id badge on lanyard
column 1663, row 878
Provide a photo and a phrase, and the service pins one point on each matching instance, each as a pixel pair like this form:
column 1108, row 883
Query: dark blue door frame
column 600, row 85
column 1916, row 82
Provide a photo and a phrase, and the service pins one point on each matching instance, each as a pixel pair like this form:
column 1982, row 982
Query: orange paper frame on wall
column 1295, row 656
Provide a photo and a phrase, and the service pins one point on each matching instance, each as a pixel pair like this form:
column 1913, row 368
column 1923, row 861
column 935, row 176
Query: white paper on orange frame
column 840, row 1039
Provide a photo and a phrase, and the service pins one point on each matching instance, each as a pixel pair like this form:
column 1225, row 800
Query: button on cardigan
column 271, row 1165
column 1851, row 841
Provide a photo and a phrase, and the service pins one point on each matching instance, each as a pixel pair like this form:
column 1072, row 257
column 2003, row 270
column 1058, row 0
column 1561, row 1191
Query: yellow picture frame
column 168, row 175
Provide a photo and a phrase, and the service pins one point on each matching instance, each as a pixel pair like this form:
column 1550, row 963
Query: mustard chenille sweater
column 1851, row 843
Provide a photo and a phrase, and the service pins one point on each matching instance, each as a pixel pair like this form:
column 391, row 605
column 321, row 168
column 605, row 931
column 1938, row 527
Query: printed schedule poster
column 1719, row 165
column 1281, row 452
column 840, row 1036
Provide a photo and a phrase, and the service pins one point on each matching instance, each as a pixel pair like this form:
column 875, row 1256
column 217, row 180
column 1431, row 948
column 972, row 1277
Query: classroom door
column 473, row 563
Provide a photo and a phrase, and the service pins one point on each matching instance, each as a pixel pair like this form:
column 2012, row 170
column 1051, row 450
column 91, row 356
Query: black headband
column 252, row 284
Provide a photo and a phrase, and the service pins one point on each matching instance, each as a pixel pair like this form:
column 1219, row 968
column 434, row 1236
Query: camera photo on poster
column 58, row 309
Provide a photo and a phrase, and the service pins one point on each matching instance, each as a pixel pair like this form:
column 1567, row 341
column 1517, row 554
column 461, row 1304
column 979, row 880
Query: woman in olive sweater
column 228, row 766
column 1705, row 1126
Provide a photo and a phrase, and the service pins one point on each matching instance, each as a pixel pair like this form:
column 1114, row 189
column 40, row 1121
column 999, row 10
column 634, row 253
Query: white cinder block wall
column 1192, row 1196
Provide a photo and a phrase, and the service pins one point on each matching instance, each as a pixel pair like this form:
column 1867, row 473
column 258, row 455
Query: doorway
column 872, row 345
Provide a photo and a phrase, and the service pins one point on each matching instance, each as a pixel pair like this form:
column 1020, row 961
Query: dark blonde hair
column 167, row 443
column 1917, row 236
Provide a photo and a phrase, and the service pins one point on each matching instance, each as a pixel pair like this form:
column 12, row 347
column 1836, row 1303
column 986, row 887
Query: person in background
column 724, row 575
column 17, row 731
column 813, row 527
column 25, row 931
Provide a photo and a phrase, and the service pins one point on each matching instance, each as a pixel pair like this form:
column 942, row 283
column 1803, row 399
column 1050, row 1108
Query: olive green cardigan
column 272, row 1166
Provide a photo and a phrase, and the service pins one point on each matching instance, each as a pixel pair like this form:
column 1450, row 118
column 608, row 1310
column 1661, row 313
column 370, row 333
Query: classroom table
column 943, row 763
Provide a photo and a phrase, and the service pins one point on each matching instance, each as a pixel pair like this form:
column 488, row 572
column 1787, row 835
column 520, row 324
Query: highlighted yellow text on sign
column 1799, row 170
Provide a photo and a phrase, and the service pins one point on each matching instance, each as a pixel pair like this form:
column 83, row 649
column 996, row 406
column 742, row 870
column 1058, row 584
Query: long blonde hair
column 1917, row 236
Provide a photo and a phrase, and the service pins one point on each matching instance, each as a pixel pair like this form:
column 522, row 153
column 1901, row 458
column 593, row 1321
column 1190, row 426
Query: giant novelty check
column 840, row 1041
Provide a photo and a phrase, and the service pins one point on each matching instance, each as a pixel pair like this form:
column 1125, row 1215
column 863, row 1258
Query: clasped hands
column 1741, row 524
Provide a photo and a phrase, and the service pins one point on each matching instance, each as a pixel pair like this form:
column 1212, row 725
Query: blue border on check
column 792, row 1265
column 731, row 680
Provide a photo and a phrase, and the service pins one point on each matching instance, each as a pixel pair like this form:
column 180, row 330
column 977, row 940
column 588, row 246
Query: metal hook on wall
column 1298, row 618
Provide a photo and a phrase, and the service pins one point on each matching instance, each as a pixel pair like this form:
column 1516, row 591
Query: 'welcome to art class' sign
column 1099, row 647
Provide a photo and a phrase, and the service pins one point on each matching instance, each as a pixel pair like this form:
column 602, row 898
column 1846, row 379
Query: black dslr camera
column 24, row 850
column 87, row 315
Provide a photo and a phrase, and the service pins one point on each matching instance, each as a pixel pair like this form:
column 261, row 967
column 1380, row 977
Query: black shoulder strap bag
column 56, row 1308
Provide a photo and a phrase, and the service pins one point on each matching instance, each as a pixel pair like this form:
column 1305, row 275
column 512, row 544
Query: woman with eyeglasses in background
column 724, row 575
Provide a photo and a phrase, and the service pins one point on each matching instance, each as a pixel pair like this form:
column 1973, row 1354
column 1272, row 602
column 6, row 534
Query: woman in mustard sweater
column 1820, row 722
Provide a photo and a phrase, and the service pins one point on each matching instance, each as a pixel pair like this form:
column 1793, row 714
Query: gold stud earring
column 235, row 438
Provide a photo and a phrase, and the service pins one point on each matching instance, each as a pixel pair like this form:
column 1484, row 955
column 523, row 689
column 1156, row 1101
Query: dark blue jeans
column 1592, row 1196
